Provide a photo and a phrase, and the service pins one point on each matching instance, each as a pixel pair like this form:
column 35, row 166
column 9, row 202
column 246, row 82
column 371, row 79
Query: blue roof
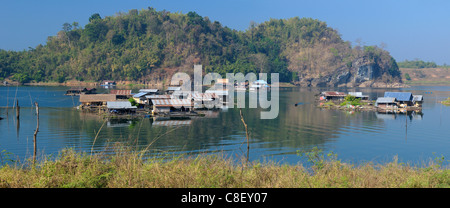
column 260, row 82
column 400, row 96
column 141, row 94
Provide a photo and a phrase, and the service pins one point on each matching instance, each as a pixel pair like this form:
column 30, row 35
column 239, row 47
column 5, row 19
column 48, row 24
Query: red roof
column 337, row 94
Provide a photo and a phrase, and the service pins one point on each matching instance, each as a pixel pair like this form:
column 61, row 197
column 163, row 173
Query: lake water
column 355, row 137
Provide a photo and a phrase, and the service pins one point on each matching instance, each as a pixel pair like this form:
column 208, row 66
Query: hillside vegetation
column 151, row 45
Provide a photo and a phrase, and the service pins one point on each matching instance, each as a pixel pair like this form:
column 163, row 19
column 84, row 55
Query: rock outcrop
column 361, row 73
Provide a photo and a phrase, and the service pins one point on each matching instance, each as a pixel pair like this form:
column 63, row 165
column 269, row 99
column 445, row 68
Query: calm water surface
column 355, row 136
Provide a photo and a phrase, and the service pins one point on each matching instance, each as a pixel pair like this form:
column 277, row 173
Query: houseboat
column 328, row 95
column 96, row 100
column 120, row 107
column 259, row 85
column 75, row 91
column 108, row 83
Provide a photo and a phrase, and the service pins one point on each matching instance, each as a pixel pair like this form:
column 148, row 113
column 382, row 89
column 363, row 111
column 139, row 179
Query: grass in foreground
column 126, row 169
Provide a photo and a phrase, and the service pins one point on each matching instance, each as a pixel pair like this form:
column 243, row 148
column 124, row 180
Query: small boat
column 259, row 85
column 240, row 88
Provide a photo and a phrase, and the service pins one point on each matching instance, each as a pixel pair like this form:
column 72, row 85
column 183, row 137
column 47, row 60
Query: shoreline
column 71, row 169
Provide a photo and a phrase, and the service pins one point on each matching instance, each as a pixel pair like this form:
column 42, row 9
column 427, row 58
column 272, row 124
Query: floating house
column 140, row 98
column 108, row 83
column 222, row 81
column 151, row 97
column 121, row 94
column 403, row 98
column 221, row 94
column 242, row 86
column 156, row 97
column 149, row 91
column 386, row 102
column 96, row 100
column 80, row 90
column 204, row 100
column 181, row 94
column 359, row 95
column 171, row 105
column 120, row 107
column 171, row 90
column 418, row 100
column 258, row 84
column 333, row 95
column 223, row 84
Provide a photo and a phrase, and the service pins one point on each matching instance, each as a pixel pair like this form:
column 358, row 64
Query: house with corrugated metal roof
column 204, row 100
column 359, row 95
column 171, row 90
column 418, row 100
column 171, row 105
column 80, row 90
column 405, row 98
column 141, row 98
column 149, row 91
column 96, row 100
column 386, row 102
column 333, row 95
column 121, row 94
column 120, row 107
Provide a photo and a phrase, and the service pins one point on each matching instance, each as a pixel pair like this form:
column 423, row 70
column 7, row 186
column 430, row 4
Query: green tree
column 407, row 77
column 95, row 17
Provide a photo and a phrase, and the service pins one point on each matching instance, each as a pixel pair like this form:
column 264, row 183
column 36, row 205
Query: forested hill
column 152, row 45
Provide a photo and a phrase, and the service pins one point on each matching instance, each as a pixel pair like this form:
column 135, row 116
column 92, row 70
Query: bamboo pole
column 246, row 134
column 35, row 133
column 17, row 109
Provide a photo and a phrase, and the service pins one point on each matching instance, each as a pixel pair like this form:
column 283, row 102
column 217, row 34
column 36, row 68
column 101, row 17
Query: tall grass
column 128, row 169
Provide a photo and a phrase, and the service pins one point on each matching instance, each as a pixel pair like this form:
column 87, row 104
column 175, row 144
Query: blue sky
column 409, row 28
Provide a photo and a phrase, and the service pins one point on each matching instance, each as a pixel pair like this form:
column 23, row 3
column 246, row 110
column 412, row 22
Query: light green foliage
column 133, row 102
column 446, row 102
column 351, row 100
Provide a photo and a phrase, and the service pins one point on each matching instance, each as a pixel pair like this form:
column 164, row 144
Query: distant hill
column 426, row 76
column 152, row 45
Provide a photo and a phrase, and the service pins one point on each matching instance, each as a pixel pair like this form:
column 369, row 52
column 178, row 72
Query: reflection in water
column 392, row 116
column 352, row 135
column 171, row 122
column 402, row 116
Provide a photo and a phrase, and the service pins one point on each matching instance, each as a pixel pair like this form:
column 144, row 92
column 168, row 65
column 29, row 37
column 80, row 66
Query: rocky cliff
column 362, row 72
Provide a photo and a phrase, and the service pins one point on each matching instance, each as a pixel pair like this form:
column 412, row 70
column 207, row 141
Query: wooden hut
column 333, row 95
column 149, row 91
column 171, row 90
column 418, row 100
column 204, row 100
column 80, row 90
column 120, row 107
column 96, row 100
column 386, row 102
column 140, row 98
column 171, row 105
column 359, row 95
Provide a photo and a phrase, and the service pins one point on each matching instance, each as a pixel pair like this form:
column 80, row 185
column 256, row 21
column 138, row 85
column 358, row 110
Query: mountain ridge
column 150, row 45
